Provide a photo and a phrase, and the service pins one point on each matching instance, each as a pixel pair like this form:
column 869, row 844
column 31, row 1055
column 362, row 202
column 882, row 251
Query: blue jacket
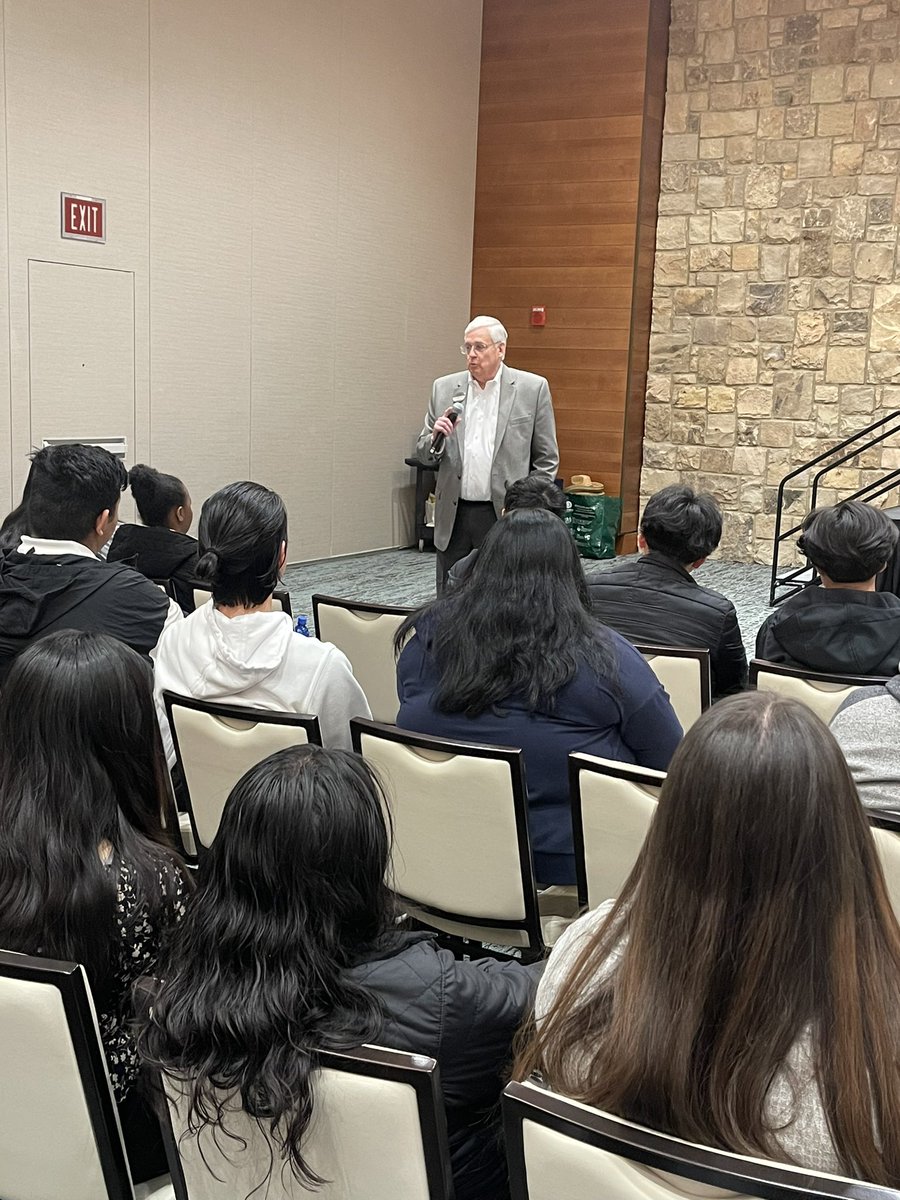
column 629, row 720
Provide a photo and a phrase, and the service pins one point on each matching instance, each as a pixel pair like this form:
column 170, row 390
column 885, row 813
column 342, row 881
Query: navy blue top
column 630, row 721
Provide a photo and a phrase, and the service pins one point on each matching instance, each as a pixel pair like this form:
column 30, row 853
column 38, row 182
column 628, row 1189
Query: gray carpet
column 406, row 577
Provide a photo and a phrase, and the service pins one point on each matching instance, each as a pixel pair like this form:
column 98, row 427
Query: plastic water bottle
column 301, row 625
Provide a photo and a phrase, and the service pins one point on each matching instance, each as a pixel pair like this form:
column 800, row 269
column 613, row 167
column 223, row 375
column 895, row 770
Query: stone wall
column 777, row 287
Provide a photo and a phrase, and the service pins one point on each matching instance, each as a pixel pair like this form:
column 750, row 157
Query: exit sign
column 83, row 218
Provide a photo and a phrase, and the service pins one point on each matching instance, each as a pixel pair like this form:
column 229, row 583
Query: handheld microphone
column 437, row 442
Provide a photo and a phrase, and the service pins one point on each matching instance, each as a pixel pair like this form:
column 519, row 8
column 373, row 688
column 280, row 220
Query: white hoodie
column 257, row 660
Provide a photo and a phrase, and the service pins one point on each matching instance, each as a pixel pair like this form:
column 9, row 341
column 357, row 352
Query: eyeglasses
column 475, row 348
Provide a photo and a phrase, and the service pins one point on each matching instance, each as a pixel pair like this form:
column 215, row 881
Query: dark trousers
column 473, row 520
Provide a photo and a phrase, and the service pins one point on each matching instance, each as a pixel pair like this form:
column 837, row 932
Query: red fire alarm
column 538, row 315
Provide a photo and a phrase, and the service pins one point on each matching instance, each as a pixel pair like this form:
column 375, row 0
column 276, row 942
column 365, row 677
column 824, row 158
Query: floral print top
column 140, row 934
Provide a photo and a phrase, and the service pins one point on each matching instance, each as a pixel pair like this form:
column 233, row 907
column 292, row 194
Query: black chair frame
column 769, row 1181
column 809, row 676
column 70, row 981
column 515, row 759
column 416, row 1071
column 698, row 653
column 577, row 764
column 230, row 712
column 389, row 610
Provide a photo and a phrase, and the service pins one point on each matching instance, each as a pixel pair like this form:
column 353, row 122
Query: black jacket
column 40, row 593
column 654, row 601
column 464, row 1014
column 836, row 630
column 159, row 553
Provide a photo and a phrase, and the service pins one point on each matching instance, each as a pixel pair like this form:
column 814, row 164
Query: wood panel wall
column 567, row 182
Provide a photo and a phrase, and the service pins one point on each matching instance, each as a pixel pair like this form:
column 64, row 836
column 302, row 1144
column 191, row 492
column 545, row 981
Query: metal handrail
column 870, row 491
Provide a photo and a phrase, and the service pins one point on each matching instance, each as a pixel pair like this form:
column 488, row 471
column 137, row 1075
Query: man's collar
column 48, row 546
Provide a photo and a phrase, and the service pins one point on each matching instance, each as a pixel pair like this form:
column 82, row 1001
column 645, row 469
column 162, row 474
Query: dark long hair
column 15, row 523
column 757, row 910
column 242, row 529
column 81, row 764
column 290, row 895
column 521, row 625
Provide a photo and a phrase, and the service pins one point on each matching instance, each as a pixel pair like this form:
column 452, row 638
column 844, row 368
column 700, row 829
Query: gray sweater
column 867, row 727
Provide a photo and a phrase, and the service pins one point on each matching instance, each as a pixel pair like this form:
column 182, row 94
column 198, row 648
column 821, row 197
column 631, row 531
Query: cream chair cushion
column 367, row 639
column 615, row 815
column 822, row 697
column 680, row 676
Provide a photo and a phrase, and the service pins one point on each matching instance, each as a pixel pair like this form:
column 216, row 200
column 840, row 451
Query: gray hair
column 491, row 324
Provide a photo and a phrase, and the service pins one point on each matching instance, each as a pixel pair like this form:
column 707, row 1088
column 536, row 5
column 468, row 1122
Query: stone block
column 811, row 328
column 744, row 257
column 874, row 263
column 776, row 433
column 890, row 112
column 809, row 357
column 676, row 116
column 762, row 188
column 698, row 228
column 723, row 487
column 772, row 357
column 739, row 150
column 711, row 363
column 792, row 395
column 749, row 461
column 877, row 185
column 653, row 480
column 865, row 126
column 750, row 8
column 659, row 389
column 710, row 331
column 719, row 47
column 886, row 79
column 765, row 299
column 720, row 399
column 754, row 402
column 693, row 300
column 724, row 96
column 800, row 121
column 679, row 147
column 784, row 227
column 742, row 330
column 687, row 458
column 857, row 401
column 710, row 258
column 845, row 364
column 669, row 353
column 728, row 123
column 714, row 14
column 881, row 162
column 720, row 429
column 835, row 119
column 849, row 221
column 861, row 295
column 718, row 459
column 884, row 368
column 741, row 370
column 880, row 210
column 771, row 123
column 711, row 191
column 776, row 329
column 781, row 151
column 727, row 225
column 815, row 252
column 856, row 82
column 847, row 158
column 747, row 432
column 826, row 85
column 831, row 293
column 671, row 268
column 885, row 331
column 712, row 148
column 671, row 233
column 814, row 158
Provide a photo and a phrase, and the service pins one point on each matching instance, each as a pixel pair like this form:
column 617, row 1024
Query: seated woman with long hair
column 86, row 871
column 289, row 947
column 160, row 547
column 237, row 649
column 514, row 657
column 742, row 990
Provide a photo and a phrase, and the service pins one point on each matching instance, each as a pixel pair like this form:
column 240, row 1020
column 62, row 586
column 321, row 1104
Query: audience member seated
column 236, row 649
column 867, row 728
column 844, row 626
column 161, row 547
column 290, row 945
column 655, row 600
column 54, row 579
column 515, row 658
column 86, row 873
column 741, row 992
column 534, row 491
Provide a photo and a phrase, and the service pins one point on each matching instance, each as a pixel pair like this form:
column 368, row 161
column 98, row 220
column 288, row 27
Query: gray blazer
column 525, row 443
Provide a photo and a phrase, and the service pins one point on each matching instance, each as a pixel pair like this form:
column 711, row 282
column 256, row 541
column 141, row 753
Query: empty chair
column 202, row 595
column 558, row 1148
column 59, row 1133
column 216, row 743
column 684, row 673
column 818, row 690
column 365, row 633
column 378, row 1131
column 461, row 860
column 613, row 804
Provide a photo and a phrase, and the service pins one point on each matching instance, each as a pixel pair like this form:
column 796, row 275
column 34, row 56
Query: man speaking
column 485, row 427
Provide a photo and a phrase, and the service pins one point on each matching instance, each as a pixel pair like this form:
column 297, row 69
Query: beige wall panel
column 7, row 500
column 81, row 352
column 409, row 101
column 76, row 120
column 200, row 205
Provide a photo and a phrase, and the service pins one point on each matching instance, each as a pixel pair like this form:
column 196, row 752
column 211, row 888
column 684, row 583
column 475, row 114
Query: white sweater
column 259, row 661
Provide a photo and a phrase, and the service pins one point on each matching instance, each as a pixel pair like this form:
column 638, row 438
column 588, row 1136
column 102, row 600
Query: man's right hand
column 443, row 424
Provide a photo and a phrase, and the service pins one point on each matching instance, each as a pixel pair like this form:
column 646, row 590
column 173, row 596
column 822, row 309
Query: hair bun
column 207, row 566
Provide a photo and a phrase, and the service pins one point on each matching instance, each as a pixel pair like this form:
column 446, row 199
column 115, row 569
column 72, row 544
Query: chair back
column 59, row 1132
column 559, row 1148
column 613, row 804
column 822, row 692
column 217, row 743
column 365, row 633
column 886, row 832
column 685, row 674
column 203, row 594
column 378, row 1131
column 461, row 858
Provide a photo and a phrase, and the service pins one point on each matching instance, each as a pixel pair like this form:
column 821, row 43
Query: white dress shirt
column 479, row 436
